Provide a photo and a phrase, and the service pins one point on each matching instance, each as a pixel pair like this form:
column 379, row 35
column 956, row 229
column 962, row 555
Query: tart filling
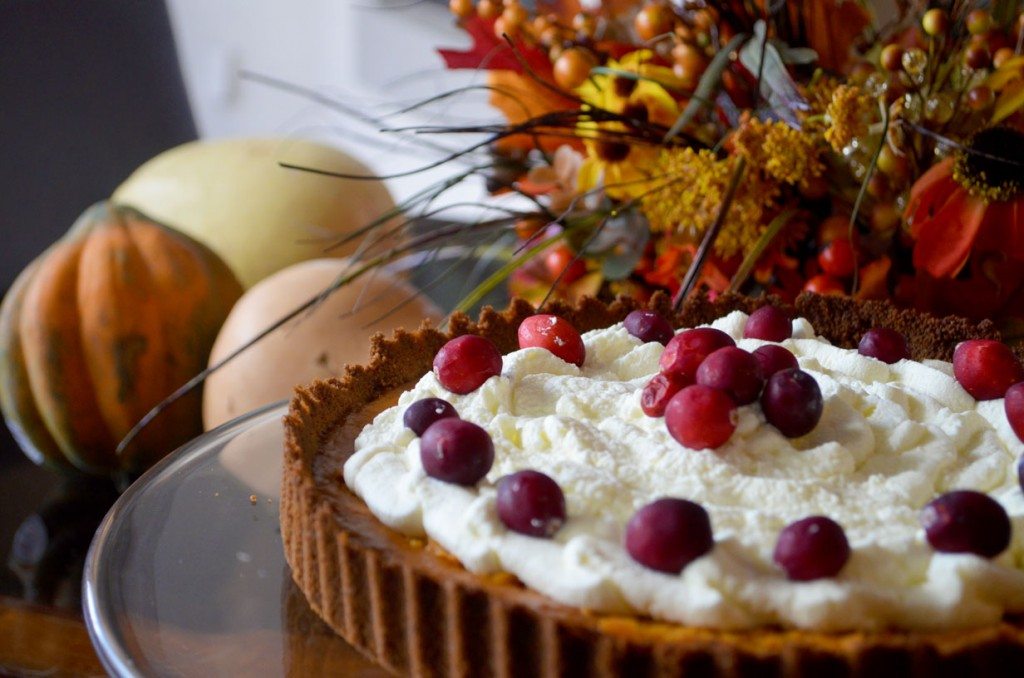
column 891, row 439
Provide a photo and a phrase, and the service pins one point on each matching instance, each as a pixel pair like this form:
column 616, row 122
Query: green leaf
column 745, row 269
column 496, row 278
column 1010, row 100
column 706, row 87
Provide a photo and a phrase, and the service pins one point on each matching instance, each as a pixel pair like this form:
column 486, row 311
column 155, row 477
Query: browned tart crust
column 416, row 611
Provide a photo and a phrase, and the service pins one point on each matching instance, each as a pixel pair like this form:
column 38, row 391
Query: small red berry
column 561, row 259
column 792, row 402
column 456, row 451
column 966, row 521
column 986, row 368
column 659, row 390
column 530, row 502
column 774, row 358
column 885, row 344
column 422, row 413
column 701, row 417
column 1014, row 406
column 812, row 548
column 769, row 324
column 687, row 350
column 555, row 334
column 668, row 534
column 465, row 363
column 838, row 258
column 648, row 326
column 734, row 371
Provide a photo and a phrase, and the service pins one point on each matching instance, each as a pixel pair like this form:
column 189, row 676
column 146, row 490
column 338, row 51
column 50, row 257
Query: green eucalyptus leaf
column 705, row 92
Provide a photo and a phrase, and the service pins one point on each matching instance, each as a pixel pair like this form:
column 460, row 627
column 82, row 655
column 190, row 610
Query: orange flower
column 971, row 202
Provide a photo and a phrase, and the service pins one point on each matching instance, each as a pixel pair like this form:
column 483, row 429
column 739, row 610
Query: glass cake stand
column 186, row 575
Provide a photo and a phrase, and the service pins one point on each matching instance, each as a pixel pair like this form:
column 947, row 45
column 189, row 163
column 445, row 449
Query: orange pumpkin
column 100, row 328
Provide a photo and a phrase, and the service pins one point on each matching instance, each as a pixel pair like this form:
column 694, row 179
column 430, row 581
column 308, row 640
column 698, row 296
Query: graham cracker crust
column 417, row 611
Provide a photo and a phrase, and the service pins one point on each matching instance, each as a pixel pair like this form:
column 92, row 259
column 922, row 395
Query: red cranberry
column 838, row 258
column 554, row 334
column 658, row 391
column 456, row 451
column 532, row 503
column 885, row 344
column 686, row 351
column 701, row 417
column 1014, row 406
column 792, row 402
column 774, row 358
column 986, row 368
column 966, row 521
column 422, row 413
column 768, row 323
column 648, row 326
column 812, row 548
column 465, row 363
column 734, row 371
column 669, row 534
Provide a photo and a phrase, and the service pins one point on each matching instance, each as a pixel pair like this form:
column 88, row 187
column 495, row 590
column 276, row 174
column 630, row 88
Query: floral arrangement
column 760, row 146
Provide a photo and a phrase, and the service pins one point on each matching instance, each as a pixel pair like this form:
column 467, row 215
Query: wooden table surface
column 45, row 529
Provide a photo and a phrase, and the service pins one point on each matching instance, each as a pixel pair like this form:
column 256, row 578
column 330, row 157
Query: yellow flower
column 616, row 157
column 847, row 114
column 779, row 151
column 1008, row 83
column 692, row 187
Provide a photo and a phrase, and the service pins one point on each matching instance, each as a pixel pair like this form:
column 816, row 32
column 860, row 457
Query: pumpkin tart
column 414, row 609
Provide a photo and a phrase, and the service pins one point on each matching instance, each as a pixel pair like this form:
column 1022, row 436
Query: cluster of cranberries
column 704, row 376
column 460, row 452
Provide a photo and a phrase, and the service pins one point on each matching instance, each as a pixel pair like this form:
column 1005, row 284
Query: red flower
column 971, row 202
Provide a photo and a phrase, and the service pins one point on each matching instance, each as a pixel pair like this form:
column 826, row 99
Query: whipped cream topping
column 891, row 439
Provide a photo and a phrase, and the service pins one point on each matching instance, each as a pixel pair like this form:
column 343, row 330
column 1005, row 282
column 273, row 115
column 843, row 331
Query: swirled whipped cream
column 891, row 438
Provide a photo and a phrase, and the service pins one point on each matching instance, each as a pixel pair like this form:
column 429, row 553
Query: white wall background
column 373, row 56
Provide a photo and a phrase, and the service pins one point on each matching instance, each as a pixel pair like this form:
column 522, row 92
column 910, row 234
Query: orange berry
column 884, row 217
column 488, row 9
column 981, row 97
column 585, row 24
column 689, row 64
column 461, row 8
column 978, row 21
column 653, row 20
column 935, row 22
column 514, row 15
column 1001, row 56
column 891, row 163
column 501, row 28
column 552, row 35
column 572, row 68
column 977, row 56
column 891, row 57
